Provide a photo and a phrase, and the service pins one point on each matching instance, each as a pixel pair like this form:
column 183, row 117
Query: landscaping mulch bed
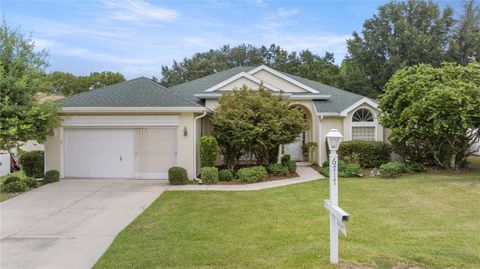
column 239, row 182
column 269, row 178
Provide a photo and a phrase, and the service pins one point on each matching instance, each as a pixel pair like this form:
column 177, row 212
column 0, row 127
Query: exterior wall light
column 185, row 131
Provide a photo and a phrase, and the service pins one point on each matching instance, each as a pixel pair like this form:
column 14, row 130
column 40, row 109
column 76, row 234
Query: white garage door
column 159, row 152
column 99, row 153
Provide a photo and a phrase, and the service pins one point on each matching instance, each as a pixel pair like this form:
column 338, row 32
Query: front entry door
column 295, row 149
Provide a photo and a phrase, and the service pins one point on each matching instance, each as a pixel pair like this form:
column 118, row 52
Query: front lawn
column 429, row 221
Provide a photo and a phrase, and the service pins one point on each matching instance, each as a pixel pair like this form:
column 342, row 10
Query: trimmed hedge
column 32, row 163
column 278, row 169
column 392, row 169
column 209, row 175
column 285, row 159
column 292, row 166
column 208, row 151
column 51, row 176
column 225, row 175
column 365, row 153
column 11, row 179
column 416, row 167
column 15, row 186
column 177, row 175
column 31, row 182
column 344, row 169
column 252, row 174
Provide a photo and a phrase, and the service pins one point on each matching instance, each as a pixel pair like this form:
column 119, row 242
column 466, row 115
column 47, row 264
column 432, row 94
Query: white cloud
column 195, row 40
column 281, row 18
column 139, row 11
column 281, row 12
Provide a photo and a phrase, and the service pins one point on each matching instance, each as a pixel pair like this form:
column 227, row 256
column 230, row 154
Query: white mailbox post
column 337, row 215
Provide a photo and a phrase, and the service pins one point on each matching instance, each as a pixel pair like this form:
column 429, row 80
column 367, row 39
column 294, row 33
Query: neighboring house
column 139, row 129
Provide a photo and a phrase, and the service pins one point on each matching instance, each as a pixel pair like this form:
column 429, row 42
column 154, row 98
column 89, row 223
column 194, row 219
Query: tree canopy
column 434, row 113
column 410, row 32
column 305, row 63
column 68, row 84
column 21, row 76
column 255, row 122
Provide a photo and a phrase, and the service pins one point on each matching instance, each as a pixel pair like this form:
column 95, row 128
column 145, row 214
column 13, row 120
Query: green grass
column 5, row 195
column 430, row 221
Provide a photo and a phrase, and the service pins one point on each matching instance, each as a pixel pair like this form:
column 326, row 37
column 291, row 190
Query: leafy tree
column 68, row 84
column 401, row 34
column 62, row 83
column 305, row 63
column 21, row 76
column 465, row 45
column 254, row 121
column 101, row 79
column 433, row 112
column 353, row 78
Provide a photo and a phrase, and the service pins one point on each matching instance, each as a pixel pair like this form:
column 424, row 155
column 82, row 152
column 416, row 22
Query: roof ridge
column 208, row 76
column 173, row 92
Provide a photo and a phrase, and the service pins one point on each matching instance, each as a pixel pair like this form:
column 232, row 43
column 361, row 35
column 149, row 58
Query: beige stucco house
column 138, row 129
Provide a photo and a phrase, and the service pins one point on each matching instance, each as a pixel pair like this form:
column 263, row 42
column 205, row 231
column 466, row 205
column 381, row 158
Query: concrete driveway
column 70, row 224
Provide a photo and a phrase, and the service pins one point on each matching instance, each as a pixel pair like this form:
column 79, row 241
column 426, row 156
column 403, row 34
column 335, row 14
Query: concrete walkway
column 305, row 174
column 70, row 224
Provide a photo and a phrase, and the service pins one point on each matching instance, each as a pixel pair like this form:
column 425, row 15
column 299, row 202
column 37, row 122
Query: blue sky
column 137, row 37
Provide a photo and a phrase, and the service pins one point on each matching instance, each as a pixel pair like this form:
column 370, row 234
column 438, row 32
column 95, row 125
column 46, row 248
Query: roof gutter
column 131, row 109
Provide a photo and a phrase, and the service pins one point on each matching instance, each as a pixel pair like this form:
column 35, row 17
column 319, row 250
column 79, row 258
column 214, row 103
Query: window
column 363, row 125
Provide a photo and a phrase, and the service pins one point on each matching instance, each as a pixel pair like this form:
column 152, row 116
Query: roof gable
column 244, row 79
column 280, row 80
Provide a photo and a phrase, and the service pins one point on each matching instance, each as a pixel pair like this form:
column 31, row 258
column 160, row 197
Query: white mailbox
column 337, row 215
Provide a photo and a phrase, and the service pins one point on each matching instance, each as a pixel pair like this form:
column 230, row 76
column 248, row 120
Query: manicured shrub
column 32, row 163
column 225, row 175
column 209, row 175
column 278, row 169
column 391, row 169
column 177, row 175
column 365, row 153
column 51, row 176
column 11, row 179
column 416, row 167
column 292, row 166
column 353, row 170
column 208, row 151
column 285, row 159
column 31, row 182
column 344, row 169
column 252, row 174
column 15, row 186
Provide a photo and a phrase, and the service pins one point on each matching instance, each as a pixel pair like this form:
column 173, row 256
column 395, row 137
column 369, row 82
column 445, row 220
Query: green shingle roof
column 339, row 99
column 139, row 92
column 144, row 92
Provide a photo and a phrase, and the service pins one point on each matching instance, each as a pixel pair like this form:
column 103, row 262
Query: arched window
column 363, row 125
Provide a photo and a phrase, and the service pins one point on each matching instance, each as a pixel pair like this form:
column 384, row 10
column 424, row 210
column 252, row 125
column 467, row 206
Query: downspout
column 195, row 145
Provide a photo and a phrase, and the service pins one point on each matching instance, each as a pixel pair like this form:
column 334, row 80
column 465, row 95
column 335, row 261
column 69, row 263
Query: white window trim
column 374, row 123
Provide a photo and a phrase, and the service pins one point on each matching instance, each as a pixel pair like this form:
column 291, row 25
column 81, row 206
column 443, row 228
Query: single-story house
column 138, row 129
